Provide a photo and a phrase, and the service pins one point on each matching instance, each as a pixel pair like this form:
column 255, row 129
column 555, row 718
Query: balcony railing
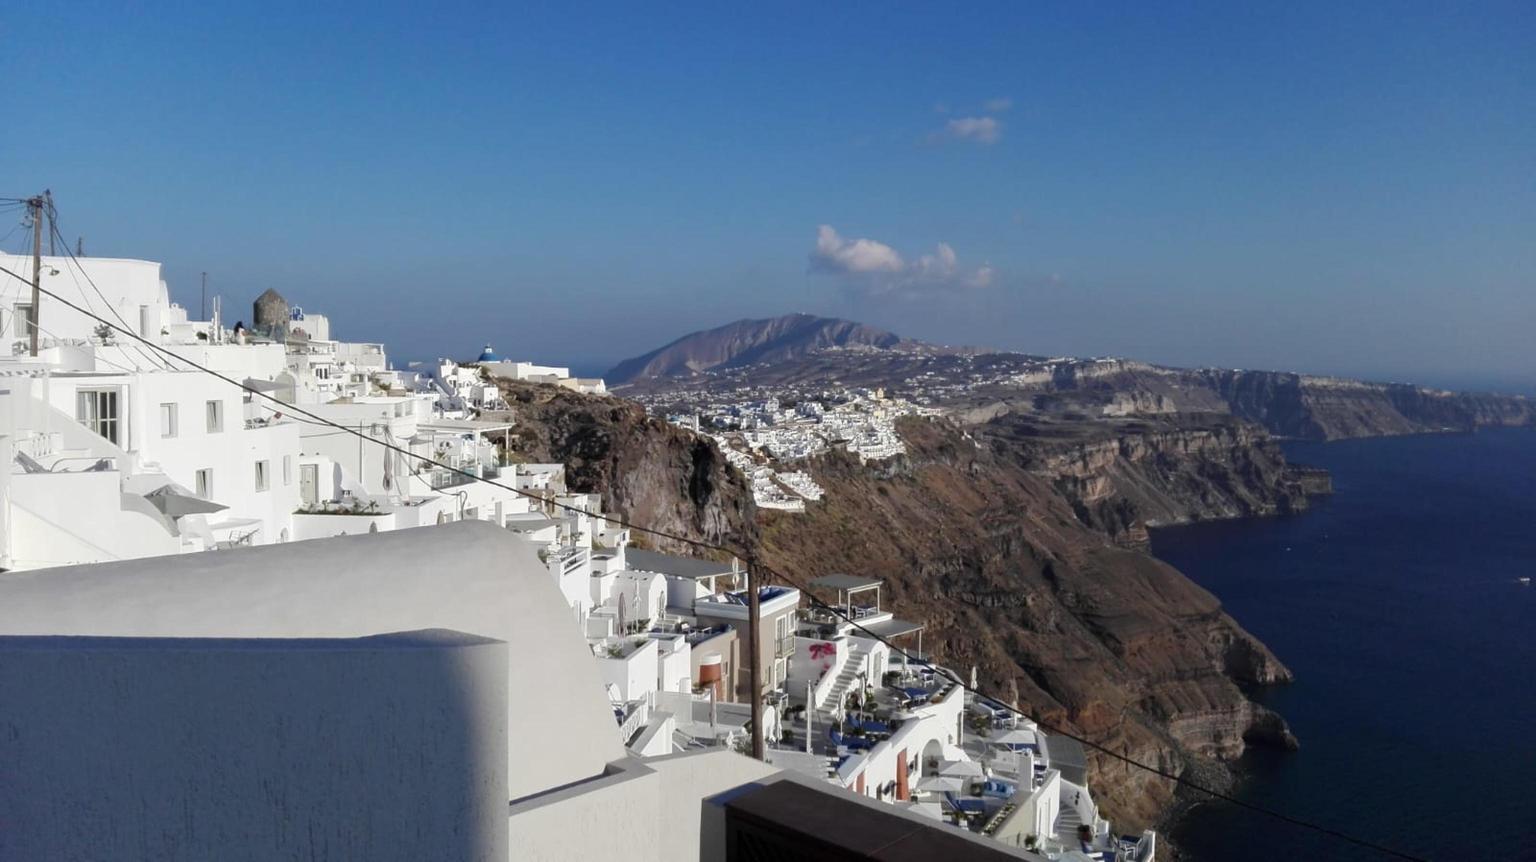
column 639, row 714
column 440, row 478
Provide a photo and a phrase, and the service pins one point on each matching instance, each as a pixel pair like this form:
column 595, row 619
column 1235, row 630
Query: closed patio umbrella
column 176, row 502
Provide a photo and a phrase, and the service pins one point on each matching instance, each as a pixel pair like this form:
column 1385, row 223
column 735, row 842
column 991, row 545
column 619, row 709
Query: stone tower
column 269, row 312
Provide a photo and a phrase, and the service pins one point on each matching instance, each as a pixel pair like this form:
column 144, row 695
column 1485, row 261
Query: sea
column 1398, row 605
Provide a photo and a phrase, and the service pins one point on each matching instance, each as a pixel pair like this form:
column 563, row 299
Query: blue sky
column 1328, row 187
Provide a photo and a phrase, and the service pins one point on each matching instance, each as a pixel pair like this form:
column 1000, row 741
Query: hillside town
column 213, row 506
column 766, row 437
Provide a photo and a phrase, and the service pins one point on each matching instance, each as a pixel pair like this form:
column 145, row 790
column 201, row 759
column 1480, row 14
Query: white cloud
column 981, row 130
column 874, row 268
column 837, row 255
column 998, row 105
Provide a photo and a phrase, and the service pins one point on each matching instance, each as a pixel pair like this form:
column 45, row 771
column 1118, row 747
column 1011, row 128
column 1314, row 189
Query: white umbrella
column 962, row 769
column 927, row 809
column 939, row 784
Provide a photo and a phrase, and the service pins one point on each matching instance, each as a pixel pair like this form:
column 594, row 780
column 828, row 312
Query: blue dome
column 488, row 355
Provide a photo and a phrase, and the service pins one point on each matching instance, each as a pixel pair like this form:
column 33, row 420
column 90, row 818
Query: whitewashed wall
column 383, row 748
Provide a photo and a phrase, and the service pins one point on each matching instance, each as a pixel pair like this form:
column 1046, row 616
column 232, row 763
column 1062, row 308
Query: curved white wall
column 466, row 576
column 169, row 749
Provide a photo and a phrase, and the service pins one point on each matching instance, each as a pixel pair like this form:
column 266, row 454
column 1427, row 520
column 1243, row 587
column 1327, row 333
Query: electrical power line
column 753, row 569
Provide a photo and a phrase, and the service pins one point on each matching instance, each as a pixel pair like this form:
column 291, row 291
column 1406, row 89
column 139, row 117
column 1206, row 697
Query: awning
column 1016, row 738
column 961, row 769
column 845, row 582
column 892, row 628
column 262, row 385
column 940, row 784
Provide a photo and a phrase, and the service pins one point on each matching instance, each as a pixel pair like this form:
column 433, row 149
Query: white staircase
column 1067, row 821
column 847, row 678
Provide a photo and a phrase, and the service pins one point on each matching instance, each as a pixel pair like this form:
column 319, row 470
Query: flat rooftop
column 674, row 566
column 481, row 425
column 845, row 582
column 891, row 628
column 789, row 820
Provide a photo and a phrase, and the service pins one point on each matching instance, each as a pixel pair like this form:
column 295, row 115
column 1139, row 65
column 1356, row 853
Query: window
column 215, row 417
column 287, row 470
column 167, row 420
column 97, row 410
column 205, row 483
column 261, row 475
column 784, row 635
column 26, row 318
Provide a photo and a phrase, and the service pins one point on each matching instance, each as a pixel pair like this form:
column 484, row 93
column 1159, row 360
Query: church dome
column 488, row 355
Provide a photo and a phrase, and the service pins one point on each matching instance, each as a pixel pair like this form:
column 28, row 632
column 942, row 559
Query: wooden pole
column 36, row 204
column 52, row 228
column 754, row 649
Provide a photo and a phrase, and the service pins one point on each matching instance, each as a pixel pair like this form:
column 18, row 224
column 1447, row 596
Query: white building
column 115, row 451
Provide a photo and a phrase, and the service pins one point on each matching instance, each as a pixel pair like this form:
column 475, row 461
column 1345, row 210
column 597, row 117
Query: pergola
column 848, row 586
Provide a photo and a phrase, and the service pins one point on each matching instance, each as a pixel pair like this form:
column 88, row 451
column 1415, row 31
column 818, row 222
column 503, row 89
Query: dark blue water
column 1396, row 604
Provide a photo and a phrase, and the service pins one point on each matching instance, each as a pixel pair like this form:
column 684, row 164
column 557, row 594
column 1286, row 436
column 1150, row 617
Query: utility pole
column 35, row 204
column 53, row 226
column 754, row 648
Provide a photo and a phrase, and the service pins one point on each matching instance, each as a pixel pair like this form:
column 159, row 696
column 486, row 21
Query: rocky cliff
column 1126, row 475
column 644, row 468
column 992, row 557
column 1294, row 405
column 1327, row 408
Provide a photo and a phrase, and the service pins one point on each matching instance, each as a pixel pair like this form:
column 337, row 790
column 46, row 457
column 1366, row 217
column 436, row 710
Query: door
column 309, row 483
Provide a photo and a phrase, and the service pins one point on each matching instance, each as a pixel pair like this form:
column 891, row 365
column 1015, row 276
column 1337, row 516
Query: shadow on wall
column 392, row 747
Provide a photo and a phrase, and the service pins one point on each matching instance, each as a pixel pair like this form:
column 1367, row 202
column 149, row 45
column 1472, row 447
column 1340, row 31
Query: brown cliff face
column 993, row 559
column 645, row 469
column 1153, row 471
column 989, row 555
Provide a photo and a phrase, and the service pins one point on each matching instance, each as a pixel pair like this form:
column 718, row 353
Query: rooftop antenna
column 79, row 246
column 202, row 308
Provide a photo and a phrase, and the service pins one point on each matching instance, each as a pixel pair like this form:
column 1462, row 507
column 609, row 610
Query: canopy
column 1016, row 738
column 961, row 769
column 176, row 502
column 939, row 784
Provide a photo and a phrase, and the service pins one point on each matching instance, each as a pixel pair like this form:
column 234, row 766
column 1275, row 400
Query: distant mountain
column 746, row 342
